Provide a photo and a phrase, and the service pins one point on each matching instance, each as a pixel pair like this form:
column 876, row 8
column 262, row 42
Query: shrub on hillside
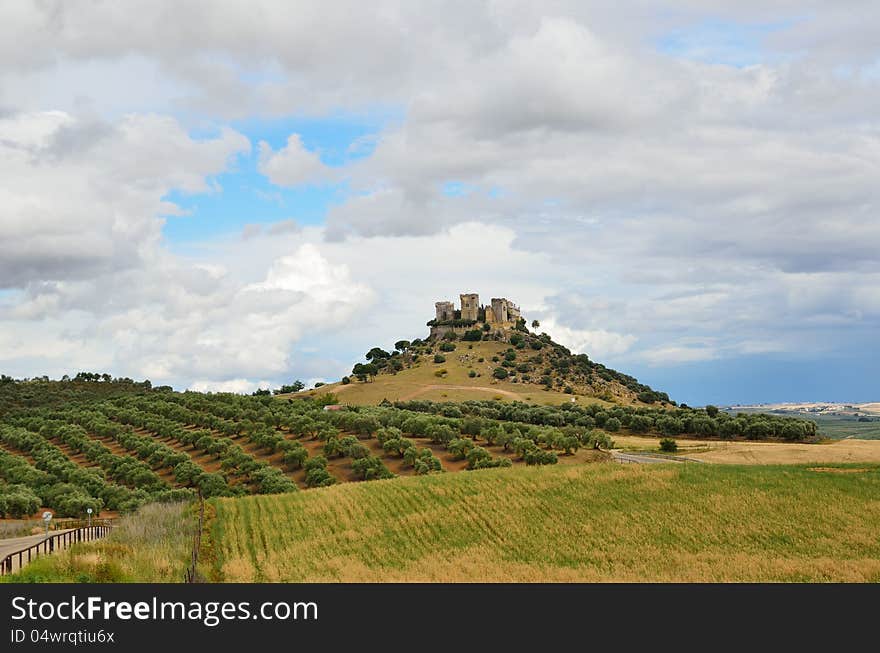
column 612, row 424
column 439, row 358
column 500, row 373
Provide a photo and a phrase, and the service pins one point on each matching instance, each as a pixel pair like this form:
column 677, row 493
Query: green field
column 602, row 522
column 839, row 427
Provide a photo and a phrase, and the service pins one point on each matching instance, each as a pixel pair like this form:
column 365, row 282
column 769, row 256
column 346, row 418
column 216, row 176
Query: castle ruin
column 500, row 314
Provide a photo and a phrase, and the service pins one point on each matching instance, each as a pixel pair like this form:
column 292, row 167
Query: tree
column 669, row 445
column 370, row 468
column 568, row 443
column 712, row 411
column 459, row 447
column 535, row 324
column 296, row 386
column 640, row 423
column 376, row 353
column 402, row 345
column 612, row 424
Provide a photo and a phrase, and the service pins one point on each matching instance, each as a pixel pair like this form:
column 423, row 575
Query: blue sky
column 688, row 194
column 248, row 197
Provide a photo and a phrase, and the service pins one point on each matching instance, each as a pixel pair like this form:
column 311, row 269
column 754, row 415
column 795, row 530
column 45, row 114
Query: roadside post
column 89, row 513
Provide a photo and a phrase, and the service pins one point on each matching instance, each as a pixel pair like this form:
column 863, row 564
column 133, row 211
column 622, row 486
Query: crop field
column 761, row 453
column 70, row 446
column 600, row 522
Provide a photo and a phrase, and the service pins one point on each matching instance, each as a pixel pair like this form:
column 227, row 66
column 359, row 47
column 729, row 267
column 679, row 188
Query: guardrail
column 50, row 544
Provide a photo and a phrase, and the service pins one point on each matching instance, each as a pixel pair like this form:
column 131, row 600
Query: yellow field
column 420, row 382
column 763, row 453
column 602, row 522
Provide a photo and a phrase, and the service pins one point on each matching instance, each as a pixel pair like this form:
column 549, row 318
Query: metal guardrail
column 50, row 544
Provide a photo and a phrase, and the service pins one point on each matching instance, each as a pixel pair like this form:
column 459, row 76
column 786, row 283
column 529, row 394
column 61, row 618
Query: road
column 14, row 544
column 640, row 458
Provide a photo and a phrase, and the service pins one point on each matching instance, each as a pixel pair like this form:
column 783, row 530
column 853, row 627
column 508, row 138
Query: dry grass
column 763, row 453
column 152, row 545
column 419, row 382
column 601, row 522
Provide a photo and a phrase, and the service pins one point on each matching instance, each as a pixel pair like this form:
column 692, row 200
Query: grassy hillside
column 601, row 522
column 422, row 381
column 534, row 368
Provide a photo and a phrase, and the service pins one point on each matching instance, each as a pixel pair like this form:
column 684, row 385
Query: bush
column 472, row 374
column 669, row 445
column 345, row 380
column 439, row 358
column 472, row 335
column 612, row 424
column 500, row 373
column 447, row 346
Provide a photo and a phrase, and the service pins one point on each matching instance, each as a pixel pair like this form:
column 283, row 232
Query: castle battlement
column 500, row 314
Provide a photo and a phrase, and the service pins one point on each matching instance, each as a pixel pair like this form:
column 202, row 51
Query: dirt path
column 427, row 388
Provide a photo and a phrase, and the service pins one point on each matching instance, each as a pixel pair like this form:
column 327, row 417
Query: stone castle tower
column 470, row 306
column 445, row 311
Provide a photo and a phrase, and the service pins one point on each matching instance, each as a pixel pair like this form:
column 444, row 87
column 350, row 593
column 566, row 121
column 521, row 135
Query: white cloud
column 81, row 198
column 238, row 386
column 293, row 165
column 598, row 344
column 674, row 355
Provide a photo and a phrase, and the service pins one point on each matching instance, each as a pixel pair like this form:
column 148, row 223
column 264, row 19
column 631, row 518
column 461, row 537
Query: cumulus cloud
column 238, row 386
column 293, row 165
column 82, row 198
column 598, row 343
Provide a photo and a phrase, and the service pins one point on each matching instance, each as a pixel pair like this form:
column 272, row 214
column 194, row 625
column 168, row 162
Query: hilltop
column 486, row 352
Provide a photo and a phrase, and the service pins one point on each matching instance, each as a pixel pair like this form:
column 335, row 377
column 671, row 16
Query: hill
column 510, row 366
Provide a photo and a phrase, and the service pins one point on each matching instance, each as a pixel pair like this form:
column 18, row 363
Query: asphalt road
column 14, row 544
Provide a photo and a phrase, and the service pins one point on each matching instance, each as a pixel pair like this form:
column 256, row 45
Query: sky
column 230, row 195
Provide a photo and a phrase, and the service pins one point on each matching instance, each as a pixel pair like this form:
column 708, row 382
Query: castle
column 500, row 314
